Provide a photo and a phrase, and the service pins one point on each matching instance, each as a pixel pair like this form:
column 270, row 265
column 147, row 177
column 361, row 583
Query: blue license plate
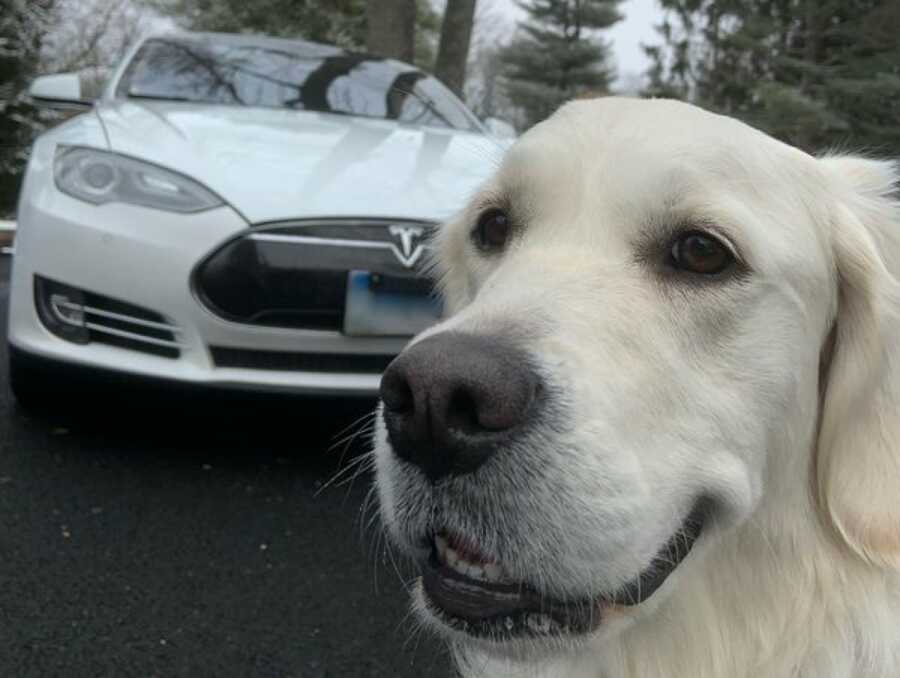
column 376, row 307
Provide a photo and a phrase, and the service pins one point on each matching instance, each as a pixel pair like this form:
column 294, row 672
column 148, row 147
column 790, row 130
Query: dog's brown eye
column 492, row 230
column 701, row 253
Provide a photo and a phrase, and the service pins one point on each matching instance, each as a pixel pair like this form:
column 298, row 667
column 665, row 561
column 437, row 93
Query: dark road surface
column 195, row 541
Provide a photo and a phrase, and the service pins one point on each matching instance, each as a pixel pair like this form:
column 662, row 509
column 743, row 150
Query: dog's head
column 664, row 325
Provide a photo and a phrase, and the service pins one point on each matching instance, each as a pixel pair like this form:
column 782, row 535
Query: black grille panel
column 300, row 362
column 295, row 275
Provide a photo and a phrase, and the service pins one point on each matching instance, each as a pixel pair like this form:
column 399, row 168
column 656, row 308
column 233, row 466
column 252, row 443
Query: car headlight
column 101, row 177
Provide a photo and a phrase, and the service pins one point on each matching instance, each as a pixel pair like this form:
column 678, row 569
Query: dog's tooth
column 475, row 572
column 450, row 556
column 492, row 572
column 461, row 566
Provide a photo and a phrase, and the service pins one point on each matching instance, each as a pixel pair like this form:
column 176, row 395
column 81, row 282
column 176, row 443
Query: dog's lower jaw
column 756, row 603
column 502, row 610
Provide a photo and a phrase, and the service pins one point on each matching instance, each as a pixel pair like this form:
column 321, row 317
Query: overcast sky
column 626, row 36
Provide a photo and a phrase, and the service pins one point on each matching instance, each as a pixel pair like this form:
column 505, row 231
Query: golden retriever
column 658, row 436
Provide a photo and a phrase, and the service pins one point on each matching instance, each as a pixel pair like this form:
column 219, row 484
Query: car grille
column 86, row 317
column 294, row 275
column 300, row 362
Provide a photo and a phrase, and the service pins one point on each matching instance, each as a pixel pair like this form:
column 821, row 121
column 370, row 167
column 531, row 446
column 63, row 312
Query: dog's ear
column 858, row 456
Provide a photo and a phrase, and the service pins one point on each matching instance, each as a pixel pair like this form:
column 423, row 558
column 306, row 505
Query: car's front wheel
column 32, row 383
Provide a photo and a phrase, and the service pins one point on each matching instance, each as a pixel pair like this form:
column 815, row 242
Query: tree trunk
column 391, row 28
column 453, row 51
column 814, row 36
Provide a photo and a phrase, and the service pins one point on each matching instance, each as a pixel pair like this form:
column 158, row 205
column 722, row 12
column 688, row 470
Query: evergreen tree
column 23, row 26
column 557, row 55
column 428, row 28
column 817, row 74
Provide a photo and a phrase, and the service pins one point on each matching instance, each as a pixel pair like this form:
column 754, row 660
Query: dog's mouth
column 472, row 592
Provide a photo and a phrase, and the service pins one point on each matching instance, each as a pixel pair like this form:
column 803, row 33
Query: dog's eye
column 701, row 253
column 492, row 230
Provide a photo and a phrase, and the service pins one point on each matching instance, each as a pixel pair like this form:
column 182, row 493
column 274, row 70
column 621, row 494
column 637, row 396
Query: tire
column 34, row 387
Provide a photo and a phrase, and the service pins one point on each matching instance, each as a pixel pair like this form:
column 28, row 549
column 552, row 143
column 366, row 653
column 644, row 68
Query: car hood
column 273, row 164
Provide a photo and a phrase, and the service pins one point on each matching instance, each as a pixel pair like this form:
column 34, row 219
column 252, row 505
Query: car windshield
column 290, row 75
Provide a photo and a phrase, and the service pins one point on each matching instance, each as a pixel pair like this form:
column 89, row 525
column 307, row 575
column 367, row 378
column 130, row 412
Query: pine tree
column 23, row 26
column 557, row 55
column 817, row 74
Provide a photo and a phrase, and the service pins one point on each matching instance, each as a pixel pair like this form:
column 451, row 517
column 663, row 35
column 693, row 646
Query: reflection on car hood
column 273, row 164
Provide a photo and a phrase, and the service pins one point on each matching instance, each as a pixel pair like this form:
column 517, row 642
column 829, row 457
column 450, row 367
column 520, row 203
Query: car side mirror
column 500, row 128
column 62, row 90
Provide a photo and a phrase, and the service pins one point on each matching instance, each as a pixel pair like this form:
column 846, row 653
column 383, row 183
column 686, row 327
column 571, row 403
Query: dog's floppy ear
column 858, row 456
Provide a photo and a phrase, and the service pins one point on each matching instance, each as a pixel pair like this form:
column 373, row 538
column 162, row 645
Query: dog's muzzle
column 453, row 400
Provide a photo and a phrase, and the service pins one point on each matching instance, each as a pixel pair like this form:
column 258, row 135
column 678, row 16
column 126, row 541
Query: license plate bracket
column 387, row 308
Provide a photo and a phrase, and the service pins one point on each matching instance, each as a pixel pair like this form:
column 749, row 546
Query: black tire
column 32, row 384
column 27, row 383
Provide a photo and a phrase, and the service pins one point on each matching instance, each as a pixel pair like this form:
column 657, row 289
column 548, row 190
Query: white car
column 238, row 211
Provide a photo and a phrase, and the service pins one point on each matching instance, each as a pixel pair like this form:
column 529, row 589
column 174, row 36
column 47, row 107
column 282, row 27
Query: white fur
column 671, row 389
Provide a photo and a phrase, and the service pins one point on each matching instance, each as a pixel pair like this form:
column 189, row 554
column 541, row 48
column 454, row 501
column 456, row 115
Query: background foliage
column 815, row 73
column 558, row 56
column 23, row 25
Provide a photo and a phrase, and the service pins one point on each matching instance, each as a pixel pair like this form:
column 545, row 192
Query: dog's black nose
column 452, row 400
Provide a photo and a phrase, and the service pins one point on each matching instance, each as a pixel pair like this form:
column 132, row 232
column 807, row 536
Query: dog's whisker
column 361, row 420
column 364, row 428
column 363, row 459
column 371, row 466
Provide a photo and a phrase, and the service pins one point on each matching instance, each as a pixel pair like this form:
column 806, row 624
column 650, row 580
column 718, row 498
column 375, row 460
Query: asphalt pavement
column 195, row 538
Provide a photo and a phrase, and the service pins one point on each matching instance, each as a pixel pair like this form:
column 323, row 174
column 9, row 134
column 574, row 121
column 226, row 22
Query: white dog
column 659, row 435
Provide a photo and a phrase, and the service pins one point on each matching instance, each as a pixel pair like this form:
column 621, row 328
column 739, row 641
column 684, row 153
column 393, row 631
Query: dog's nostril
column 452, row 400
column 396, row 392
column 463, row 412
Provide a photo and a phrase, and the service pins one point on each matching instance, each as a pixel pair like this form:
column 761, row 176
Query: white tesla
column 238, row 211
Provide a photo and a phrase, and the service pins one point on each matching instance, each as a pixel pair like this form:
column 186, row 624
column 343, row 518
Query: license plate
column 376, row 308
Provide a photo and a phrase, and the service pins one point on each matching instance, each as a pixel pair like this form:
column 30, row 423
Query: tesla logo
column 409, row 240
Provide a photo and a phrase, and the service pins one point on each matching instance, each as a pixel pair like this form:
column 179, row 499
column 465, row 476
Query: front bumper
column 146, row 258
